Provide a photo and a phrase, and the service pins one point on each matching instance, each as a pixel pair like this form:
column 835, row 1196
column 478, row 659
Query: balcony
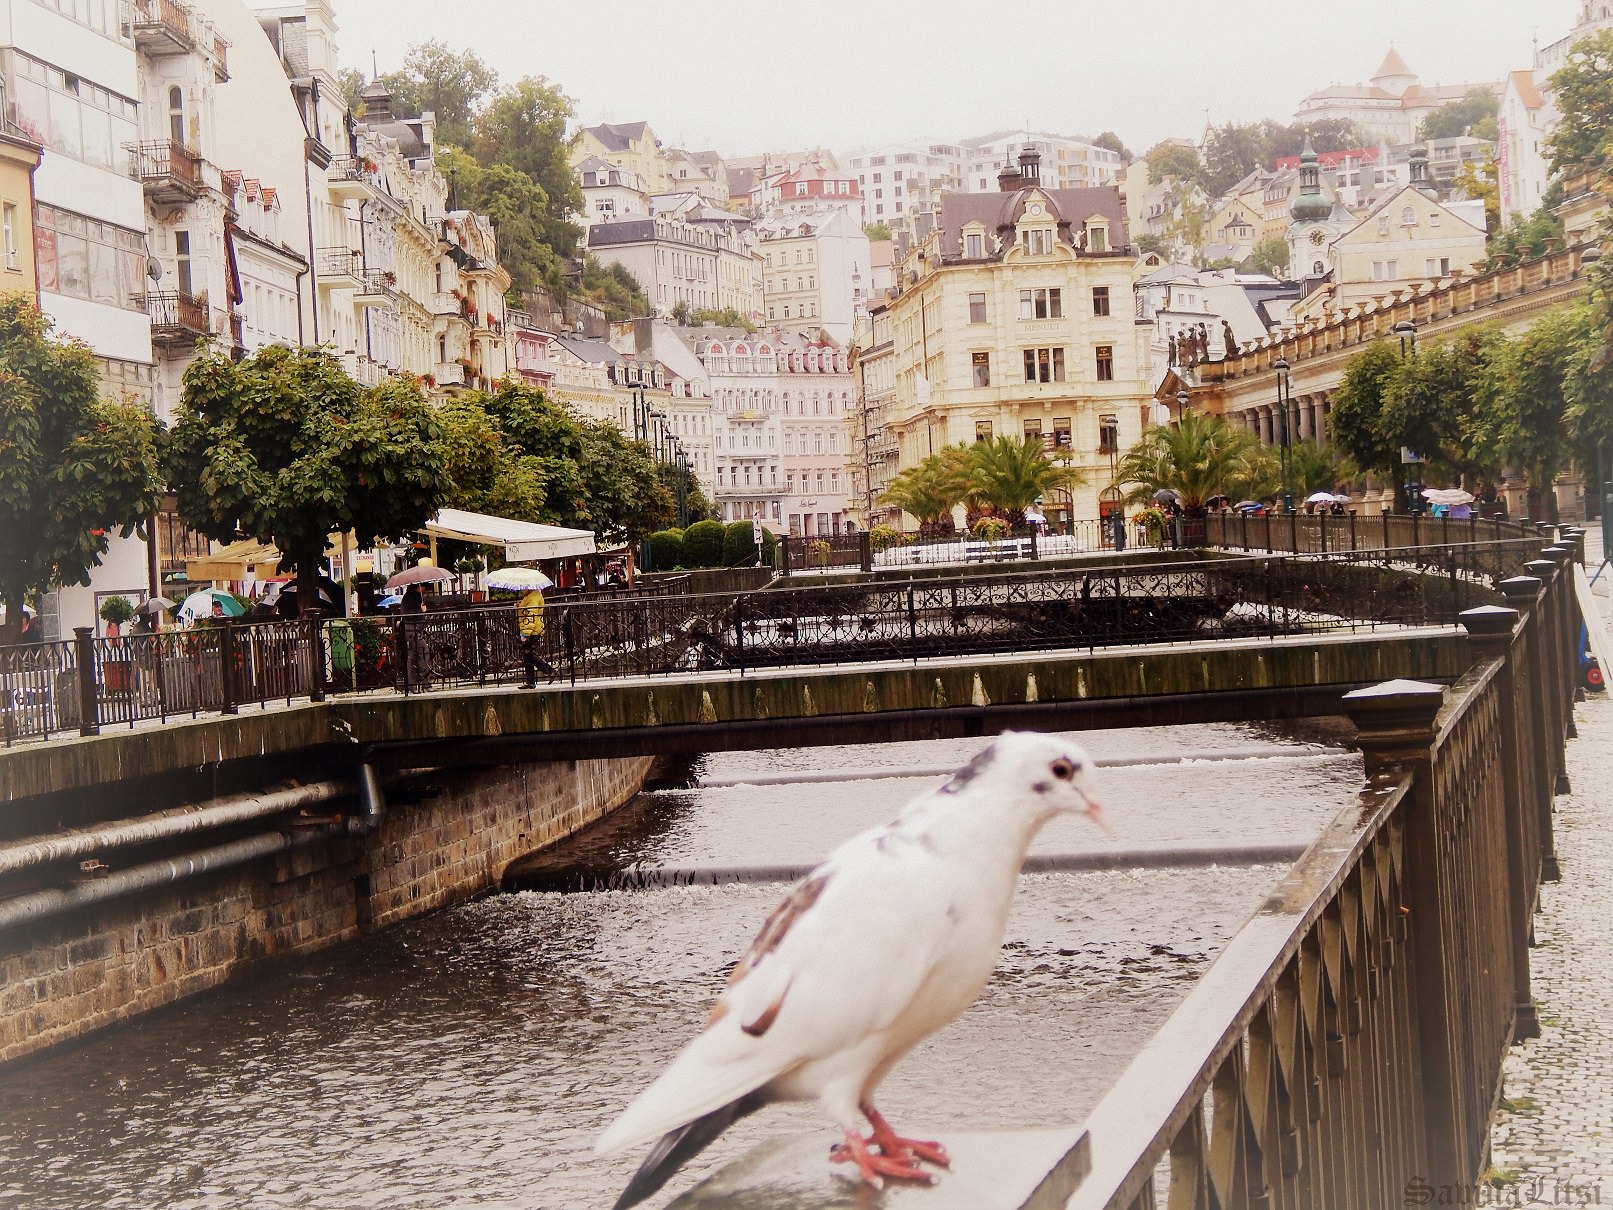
column 167, row 171
column 351, row 177
column 161, row 27
column 444, row 303
column 377, row 288
column 449, row 374
column 341, row 269
column 221, row 58
column 178, row 320
column 365, row 372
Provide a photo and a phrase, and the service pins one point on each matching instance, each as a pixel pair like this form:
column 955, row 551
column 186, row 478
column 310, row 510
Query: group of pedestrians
column 414, row 636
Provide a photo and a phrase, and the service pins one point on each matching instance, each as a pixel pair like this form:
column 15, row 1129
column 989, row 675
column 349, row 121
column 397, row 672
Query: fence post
column 739, row 629
column 865, row 550
column 1523, row 594
column 1385, row 517
column 1034, row 555
column 1395, row 727
column 912, row 623
column 1293, row 532
column 316, row 645
column 1493, row 634
column 226, row 669
column 1353, row 544
column 89, row 718
column 784, row 554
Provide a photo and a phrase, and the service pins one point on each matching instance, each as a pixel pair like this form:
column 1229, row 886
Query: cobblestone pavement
column 1553, row 1137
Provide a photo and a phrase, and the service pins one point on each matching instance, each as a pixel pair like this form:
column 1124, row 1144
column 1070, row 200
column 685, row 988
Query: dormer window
column 1097, row 236
column 1038, row 241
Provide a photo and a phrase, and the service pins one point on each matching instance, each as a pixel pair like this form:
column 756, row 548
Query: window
column 977, row 308
column 1108, row 435
column 1408, row 217
column 1106, row 363
column 8, row 233
column 1100, row 300
column 980, row 363
column 1061, row 432
column 1098, row 238
column 974, row 247
column 1433, row 219
column 1039, row 241
column 176, row 114
column 1044, row 365
column 1041, row 304
column 982, row 430
column 1033, row 430
column 1383, row 224
column 801, row 190
column 1437, row 266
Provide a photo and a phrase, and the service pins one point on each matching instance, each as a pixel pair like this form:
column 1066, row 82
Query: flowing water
column 470, row 1059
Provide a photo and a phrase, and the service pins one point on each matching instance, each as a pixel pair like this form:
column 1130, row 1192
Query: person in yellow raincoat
column 529, row 617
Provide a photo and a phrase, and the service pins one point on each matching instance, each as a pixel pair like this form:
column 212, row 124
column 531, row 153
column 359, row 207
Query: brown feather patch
column 764, row 1022
column 779, row 922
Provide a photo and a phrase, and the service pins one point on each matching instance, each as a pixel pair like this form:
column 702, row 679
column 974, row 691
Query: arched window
column 1408, row 217
column 176, row 114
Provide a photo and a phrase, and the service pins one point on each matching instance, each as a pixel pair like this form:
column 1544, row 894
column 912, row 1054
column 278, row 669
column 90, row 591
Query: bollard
column 865, row 550
column 226, row 669
column 89, row 717
column 316, row 682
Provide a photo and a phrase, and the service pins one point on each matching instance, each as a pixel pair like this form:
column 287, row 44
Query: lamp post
column 1604, row 484
column 1182, row 398
column 1284, row 398
column 1406, row 330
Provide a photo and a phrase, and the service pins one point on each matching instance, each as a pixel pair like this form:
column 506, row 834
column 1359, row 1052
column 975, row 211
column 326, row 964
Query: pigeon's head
column 1051, row 770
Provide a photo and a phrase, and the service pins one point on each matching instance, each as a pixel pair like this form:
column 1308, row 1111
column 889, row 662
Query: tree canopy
column 286, row 448
column 1012, row 473
column 1474, row 114
column 1200, row 457
column 446, row 82
column 927, row 490
column 1168, row 160
column 1110, row 141
column 1269, row 256
column 1583, row 85
column 72, row 466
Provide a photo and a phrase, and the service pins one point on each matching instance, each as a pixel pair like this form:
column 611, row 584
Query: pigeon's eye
column 1064, row 769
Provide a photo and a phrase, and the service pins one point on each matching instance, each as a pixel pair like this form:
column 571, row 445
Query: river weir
column 470, row 1058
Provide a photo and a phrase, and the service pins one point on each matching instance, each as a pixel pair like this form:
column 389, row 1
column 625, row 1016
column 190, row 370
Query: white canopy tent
column 523, row 541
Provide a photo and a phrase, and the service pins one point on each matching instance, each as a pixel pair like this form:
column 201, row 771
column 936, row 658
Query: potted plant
column 115, row 611
column 818, row 549
column 990, row 528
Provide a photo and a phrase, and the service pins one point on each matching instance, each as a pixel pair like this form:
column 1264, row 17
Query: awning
column 237, row 561
column 522, row 541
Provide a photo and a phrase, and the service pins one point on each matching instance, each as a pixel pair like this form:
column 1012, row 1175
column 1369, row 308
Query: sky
column 758, row 75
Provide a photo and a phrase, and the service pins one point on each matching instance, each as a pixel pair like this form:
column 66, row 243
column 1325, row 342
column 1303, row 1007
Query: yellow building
column 630, row 145
column 18, row 159
column 1014, row 317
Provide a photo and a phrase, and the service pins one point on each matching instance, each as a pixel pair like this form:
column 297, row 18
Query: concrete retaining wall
column 67, row 976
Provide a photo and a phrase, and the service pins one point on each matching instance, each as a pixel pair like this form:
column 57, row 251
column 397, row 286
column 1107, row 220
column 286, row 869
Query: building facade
column 1015, row 318
column 874, row 456
column 816, row 269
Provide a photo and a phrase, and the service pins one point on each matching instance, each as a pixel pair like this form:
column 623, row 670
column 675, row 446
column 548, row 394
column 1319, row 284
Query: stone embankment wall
column 69, row 975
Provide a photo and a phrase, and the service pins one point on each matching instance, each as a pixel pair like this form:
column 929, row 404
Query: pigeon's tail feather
column 677, row 1147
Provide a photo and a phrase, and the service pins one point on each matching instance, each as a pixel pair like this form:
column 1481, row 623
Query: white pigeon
column 884, row 943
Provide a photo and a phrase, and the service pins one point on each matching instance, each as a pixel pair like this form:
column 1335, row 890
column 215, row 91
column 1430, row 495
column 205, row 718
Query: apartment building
column 816, row 266
column 873, row 448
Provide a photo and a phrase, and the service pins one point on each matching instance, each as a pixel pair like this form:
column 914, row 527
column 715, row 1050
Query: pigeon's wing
column 841, row 958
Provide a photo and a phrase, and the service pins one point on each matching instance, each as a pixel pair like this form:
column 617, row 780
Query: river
column 470, row 1058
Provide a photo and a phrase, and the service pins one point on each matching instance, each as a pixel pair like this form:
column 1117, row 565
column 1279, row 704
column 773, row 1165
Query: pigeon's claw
column 892, row 1144
column 874, row 1166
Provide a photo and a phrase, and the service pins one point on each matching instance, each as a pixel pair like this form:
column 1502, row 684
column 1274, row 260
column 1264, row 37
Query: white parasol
column 519, row 579
column 1447, row 495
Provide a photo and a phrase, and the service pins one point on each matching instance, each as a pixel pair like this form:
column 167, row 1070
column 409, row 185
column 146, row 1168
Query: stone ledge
column 991, row 1170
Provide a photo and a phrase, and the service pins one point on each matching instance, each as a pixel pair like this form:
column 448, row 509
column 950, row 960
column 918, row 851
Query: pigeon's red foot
column 893, row 1144
column 874, row 1166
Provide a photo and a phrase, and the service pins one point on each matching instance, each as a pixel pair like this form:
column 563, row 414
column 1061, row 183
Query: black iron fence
column 86, row 683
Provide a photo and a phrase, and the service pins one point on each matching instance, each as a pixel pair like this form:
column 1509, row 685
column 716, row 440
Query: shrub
column 990, row 528
column 666, row 549
column 702, row 544
column 738, row 544
column 883, row 537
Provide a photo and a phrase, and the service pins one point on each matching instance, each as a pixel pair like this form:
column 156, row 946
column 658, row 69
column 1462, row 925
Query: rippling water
column 471, row 1058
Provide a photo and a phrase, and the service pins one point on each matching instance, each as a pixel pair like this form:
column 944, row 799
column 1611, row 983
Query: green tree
column 877, row 231
column 1199, row 457
column 486, row 471
column 1172, row 160
column 1356, row 416
column 1316, row 469
column 666, row 549
column 1269, row 256
column 1233, row 151
column 446, row 82
column 614, row 288
column 524, row 127
column 1474, row 114
column 675, row 479
column 515, row 204
column 739, row 544
column 351, row 82
column 1327, row 134
column 287, row 448
column 1110, row 141
column 1012, row 473
column 1524, row 239
column 928, row 490
column 72, row 466
column 702, row 544
column 1522, row 393
column 1583, row 86
column 1477, row 179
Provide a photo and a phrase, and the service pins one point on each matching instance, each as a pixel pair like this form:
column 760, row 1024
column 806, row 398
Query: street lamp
column 1284, row 398
column 1181, row 404
column 1406, row 330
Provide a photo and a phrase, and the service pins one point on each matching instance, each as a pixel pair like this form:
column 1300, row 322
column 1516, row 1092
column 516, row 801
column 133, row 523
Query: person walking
column 529, row 619
column 416, row 658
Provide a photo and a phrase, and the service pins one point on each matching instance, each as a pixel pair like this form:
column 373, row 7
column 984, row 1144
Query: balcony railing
column 161, row 27
column 176, row 317
column 221, row 58
column 449, row 374
column 169, row 171
column 341, row 267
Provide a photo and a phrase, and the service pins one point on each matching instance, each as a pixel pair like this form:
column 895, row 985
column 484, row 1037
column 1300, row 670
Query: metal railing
column 165, row 161
column 1345, row 1049
column 177, row 311
column 48, row 688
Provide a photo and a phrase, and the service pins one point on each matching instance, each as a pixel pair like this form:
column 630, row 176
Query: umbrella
column 1248, row 505
column 419, row 575
column 200, row 605
column 156, row 605
column 1447, row 495
column 519, row 579
column 389, row 600
column 1320, row 498
column 1167, row 494
column 1342, row 499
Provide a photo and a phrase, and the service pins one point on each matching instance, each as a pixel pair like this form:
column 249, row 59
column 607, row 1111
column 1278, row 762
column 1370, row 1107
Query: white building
column 1067, row 162
column 816, row 267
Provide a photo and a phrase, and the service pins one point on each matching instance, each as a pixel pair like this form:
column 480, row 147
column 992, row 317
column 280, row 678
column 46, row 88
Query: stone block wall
column 69, row 975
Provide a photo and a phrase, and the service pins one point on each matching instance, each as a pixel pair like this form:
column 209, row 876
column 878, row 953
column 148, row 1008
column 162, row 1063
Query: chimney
column 1030, row 165
column 643, row 336
column 1009, row 180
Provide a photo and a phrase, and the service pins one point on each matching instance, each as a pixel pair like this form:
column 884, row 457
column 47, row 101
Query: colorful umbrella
column 200, row 605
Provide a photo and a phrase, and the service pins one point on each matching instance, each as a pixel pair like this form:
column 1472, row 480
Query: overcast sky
column 745, row 77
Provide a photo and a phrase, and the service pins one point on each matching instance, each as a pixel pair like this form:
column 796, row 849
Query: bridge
column 1349, row 1036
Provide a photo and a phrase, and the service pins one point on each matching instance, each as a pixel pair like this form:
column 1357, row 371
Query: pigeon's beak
column 1095, row 813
